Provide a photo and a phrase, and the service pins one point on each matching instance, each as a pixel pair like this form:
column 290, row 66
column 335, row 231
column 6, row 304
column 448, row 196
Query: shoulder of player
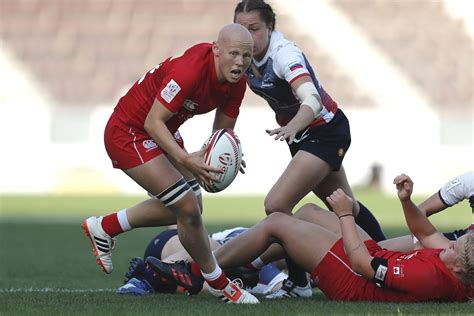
column 281, row 48
column 191, row 66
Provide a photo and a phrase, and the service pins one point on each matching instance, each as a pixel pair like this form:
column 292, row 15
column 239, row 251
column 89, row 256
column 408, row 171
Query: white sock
column 257, row 263
column 214, row 275
column 123, row 220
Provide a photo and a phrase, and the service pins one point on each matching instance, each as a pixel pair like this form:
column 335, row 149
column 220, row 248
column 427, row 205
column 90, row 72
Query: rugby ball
column 224, row 151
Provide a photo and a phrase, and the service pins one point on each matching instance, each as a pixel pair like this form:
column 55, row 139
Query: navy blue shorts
column 329, row 142
column 156, row 245
column 455, row 234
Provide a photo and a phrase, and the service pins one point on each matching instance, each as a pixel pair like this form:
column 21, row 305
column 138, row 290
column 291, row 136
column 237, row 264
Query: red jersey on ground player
column 405, row 278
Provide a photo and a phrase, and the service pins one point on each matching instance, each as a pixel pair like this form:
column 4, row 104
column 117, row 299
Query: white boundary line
column 53, row 290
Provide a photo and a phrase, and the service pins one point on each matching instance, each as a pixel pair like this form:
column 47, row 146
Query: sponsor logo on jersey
column 170, row 91
column 189, row 105
column 295, row 66
column 149, row 144
column 453, row 183
column 177, row 135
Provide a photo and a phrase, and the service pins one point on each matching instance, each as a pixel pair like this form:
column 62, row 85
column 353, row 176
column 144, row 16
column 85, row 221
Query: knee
column 306, row 211
column 273, row 205
column 273, row 220
column 188, row 212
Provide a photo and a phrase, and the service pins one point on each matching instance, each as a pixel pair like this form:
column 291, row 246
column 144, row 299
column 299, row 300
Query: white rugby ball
column 223, row 151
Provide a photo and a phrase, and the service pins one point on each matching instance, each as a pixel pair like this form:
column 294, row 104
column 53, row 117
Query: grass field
column 47, row 266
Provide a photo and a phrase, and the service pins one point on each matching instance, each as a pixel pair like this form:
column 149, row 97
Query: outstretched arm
column 454, row 191
column 356, row 251
column 310, row 108
column 416, row 219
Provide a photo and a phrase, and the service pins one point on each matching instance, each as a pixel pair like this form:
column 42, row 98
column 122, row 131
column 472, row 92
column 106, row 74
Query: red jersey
column 410, row 277
column 186, row 85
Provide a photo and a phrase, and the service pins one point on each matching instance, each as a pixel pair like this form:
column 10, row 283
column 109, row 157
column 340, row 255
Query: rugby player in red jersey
column 347, row 265
column 142, row 139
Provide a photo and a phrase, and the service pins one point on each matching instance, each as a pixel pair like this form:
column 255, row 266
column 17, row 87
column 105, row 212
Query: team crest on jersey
column 267, row 81
column 170, row 91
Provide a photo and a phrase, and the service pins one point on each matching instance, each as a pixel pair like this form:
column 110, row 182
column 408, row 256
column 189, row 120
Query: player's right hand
column 340, row 202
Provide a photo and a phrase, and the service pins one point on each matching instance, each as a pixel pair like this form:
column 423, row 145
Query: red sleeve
column 176, row 87
column 232, row 106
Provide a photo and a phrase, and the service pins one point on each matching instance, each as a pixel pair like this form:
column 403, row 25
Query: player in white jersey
column 140, row 280
column 316, row 130
column 454, row 191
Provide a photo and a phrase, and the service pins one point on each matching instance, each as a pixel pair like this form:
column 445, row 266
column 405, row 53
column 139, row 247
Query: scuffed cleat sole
column 94, row 247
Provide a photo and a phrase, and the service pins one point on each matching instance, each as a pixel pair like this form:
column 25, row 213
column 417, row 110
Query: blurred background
column 402, row 70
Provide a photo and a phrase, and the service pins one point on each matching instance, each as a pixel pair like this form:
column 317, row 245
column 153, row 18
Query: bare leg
column 334, row 181
column 174, row 250
column 155, row 176
column 304, row 172
column 304, row 242
column 316, row 215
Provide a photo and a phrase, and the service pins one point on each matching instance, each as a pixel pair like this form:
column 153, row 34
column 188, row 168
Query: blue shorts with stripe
column 329, row 141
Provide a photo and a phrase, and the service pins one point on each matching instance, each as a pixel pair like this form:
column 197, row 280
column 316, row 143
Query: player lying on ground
column 345, row 263
column 458, row 189
column 141, row 280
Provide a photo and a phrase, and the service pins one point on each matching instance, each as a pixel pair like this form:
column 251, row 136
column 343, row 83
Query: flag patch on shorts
column 170, row 91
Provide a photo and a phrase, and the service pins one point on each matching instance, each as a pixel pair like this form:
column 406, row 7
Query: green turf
column 42, row 246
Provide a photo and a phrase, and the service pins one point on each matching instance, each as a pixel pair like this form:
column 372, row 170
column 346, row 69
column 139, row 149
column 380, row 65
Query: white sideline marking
column 53, row 290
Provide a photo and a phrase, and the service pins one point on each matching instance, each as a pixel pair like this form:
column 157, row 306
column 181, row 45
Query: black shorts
column 329, row 142
column 156, row 245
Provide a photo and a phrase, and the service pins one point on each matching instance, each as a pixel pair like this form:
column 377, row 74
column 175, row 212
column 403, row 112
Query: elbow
column 148, row 125
column 357, row 267
column 362, row 266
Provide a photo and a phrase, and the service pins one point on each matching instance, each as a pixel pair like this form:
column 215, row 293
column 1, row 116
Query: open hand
column 283, row 133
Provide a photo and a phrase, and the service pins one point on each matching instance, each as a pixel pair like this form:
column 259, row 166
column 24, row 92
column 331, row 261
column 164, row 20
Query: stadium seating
column 87, row 52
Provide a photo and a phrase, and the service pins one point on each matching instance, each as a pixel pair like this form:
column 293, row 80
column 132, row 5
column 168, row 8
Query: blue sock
column 369, row 223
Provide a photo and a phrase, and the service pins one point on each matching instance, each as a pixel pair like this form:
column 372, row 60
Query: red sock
column 111, row 225
column 219, row 283
column 195, row 269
